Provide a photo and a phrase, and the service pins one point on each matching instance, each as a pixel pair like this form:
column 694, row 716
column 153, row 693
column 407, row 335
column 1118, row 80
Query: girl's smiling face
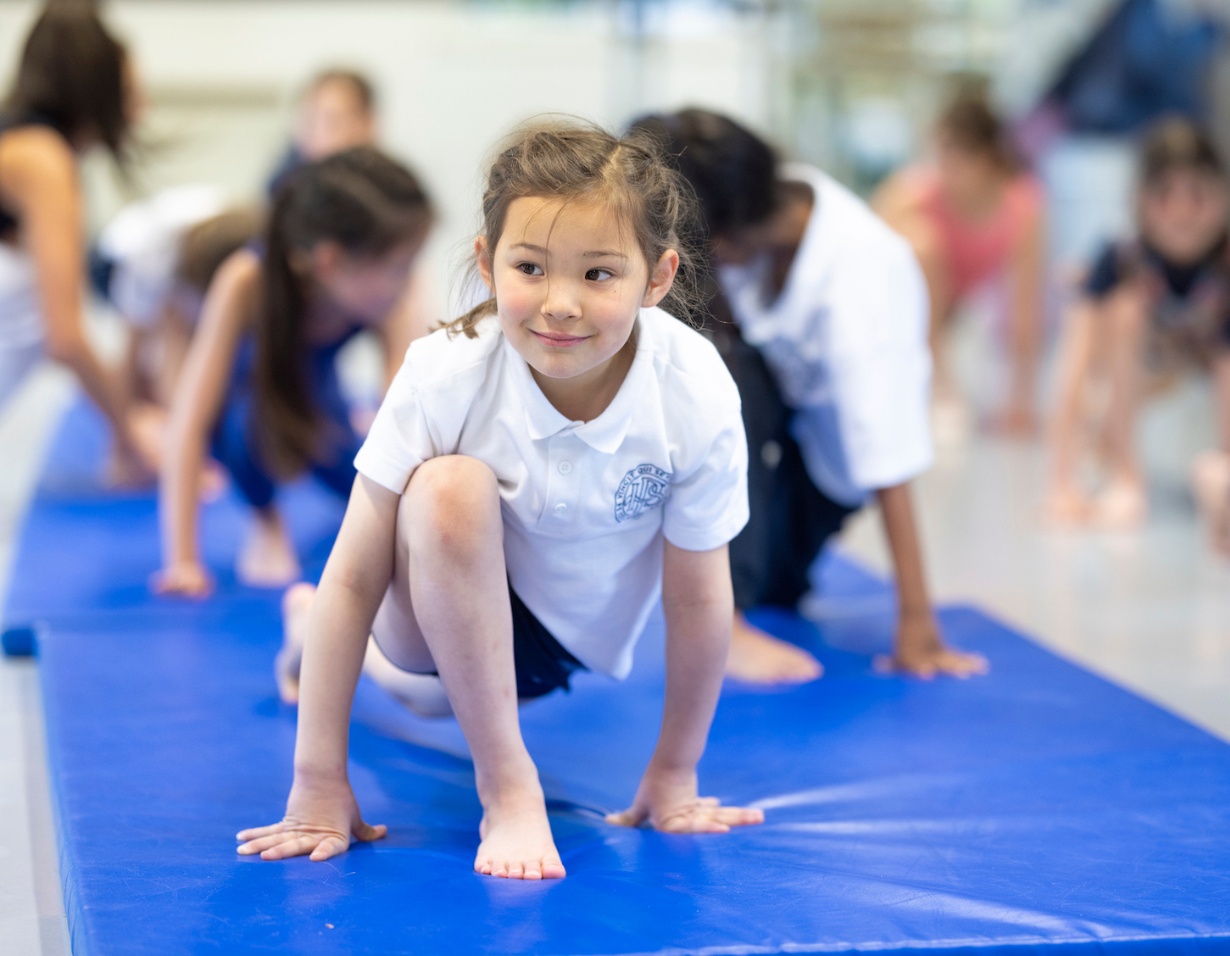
column 1183, row 213
column 569, row 282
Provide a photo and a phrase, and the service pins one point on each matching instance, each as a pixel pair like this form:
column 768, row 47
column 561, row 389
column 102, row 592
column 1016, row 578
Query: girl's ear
column 661, row 278
column 482, row 256
column 321, row 262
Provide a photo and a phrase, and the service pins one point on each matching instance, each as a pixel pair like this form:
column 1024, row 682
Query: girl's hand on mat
column 670, row 803
column 187, row 579
column 321, row 821
column 921, row 652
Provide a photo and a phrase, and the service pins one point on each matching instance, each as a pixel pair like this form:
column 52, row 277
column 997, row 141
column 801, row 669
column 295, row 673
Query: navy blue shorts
column 542, row 663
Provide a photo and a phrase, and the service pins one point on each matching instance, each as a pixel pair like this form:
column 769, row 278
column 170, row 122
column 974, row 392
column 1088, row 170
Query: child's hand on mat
column 669, row 802
column 186, row 578
column 322, row 820
column 921, row 652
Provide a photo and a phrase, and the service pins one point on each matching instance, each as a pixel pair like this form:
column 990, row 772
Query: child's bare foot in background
column 268, row 559
column 760, row 658
column 1211, row 483
column 296, row 604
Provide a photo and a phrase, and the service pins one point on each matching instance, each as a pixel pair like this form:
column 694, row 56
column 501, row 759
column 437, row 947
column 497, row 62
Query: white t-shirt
column 21, row 323
column 143, row 241
column 585, row 504
column 847, row 342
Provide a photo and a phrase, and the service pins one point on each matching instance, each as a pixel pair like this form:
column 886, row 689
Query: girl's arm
column 918, row 648
column 321, row 813
column 1067, row 502
column 1026, row 280
column 699, row 606
column 227, row 312
column 40, row 183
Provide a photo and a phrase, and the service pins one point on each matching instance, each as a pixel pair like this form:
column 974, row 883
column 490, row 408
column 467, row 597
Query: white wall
column 453, row 77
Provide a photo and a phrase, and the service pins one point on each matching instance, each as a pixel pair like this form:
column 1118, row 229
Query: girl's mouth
column 558, row 341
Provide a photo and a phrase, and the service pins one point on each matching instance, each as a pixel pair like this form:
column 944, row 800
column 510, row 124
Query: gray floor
column 1149, row 610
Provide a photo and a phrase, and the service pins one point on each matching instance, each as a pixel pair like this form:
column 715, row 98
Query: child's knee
column 451, row 498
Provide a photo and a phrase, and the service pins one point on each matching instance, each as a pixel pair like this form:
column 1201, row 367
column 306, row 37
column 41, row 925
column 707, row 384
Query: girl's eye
column 599, row 275
column 529, row 268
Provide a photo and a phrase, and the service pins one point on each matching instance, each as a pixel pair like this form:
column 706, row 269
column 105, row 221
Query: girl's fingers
column 261, row 844
column 293, row 846
column 253, row 833
column 632, row 817
column 329, row 847
column 366, row 832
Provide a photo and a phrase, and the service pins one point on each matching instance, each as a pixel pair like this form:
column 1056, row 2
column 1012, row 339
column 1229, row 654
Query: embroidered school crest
column 643, row 488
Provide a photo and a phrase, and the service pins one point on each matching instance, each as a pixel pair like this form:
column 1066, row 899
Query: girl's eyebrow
column 596, row 254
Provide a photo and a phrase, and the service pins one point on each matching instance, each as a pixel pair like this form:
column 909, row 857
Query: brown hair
column 1177, row 143
column 360, row 86
column 368, row 204
column 207, row 244
column 573, row 160
column 72, row 74
column 971, row 124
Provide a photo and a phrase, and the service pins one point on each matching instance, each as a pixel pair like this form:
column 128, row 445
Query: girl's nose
column 561, row 302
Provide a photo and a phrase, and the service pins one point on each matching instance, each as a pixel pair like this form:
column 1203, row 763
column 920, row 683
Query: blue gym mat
column 1037, row 810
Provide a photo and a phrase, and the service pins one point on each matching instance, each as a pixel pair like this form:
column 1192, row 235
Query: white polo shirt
column 585, row 504
column 847, row 342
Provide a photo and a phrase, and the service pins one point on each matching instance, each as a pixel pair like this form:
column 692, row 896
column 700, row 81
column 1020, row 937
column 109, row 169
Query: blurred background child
column 337, row 110
column 830, row 357
column 1154, row 305
column 76, row 88
column 260, row 385
column 974, row 216
column 153, row 263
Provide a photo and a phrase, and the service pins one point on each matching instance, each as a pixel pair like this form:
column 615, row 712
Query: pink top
column 975, row 250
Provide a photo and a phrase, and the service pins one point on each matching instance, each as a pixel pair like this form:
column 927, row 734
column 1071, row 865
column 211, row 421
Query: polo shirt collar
column 604, row 433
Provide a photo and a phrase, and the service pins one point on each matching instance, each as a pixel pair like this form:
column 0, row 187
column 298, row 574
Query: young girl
column 829, row 352
column 336, row 111
column 1151, row 307
column 975, row 217
column 75, row 89
column 538, row 474
column 259, row 386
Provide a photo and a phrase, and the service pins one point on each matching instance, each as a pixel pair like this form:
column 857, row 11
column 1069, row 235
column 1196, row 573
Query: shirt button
column 561, row 508
column 565, row 468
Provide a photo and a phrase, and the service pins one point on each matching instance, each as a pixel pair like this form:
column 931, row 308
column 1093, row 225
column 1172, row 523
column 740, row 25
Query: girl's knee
column 451, row 497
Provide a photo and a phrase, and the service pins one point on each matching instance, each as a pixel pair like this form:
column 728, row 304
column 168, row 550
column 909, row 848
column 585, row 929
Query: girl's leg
column 267, row 558
column 1122, row 502
column 1067, row 502
column 448, row 610
column 1211, row 470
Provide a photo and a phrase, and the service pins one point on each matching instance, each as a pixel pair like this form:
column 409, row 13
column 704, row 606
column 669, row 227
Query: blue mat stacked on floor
column 1040, row 809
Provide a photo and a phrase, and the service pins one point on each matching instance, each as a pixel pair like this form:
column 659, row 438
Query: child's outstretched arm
column 322, row 816
column 228, row 308
column 699, row 606
column 918, row 649
column 41, row 183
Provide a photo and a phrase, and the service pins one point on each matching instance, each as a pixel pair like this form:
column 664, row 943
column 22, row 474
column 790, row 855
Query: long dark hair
column 970, row 123
column 732, row 171
column 72, row 73
column 366, row 203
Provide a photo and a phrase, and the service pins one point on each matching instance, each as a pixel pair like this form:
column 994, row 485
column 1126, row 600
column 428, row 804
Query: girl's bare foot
column 422, row 694
column 1121, row 506
column 296, row 604
column 517, row 842
column 268, row 559
column 1066, row 508
column 759, row 658
column 1211, row 483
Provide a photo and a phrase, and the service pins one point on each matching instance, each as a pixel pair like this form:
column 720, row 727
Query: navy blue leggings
column 236, row 438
